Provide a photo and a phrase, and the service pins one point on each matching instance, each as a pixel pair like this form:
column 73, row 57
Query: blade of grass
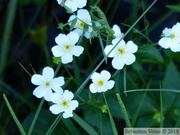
column 126, row 117
column 110, row 117
column 161, row 110
column 7, row 35
column 36, row 116
column 138, row 110
column 14, row 116
column 72, row 128
column 84, row 125
column 124, row 80
column 140, row 90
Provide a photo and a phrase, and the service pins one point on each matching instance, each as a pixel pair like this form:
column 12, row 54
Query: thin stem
column 36, row 116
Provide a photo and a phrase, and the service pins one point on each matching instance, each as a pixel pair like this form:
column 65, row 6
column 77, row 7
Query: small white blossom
column 100, row 82
column 46, row 83
column 117, row 31
column 122, row 53
column 63, row 103
column 83, row 18
column 171, row 38
column 66, row 47
column 73, row 4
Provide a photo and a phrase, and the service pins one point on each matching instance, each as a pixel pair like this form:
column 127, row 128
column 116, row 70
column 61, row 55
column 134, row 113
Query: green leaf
column 172, row 77
column 74, row 21
column 14, row 116
column 84, row 125
column 152, row 53
column 175, row 8
column 68, row 10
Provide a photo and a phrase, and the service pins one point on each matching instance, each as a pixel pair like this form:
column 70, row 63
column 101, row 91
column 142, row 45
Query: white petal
column 58, row 81
column 55, row 109
column 175, row 47
column 67, row 114
column 167, row 32
column 83, row 14
column 102, row 89
column 59, row 2
column 81, row 3
column 61, row 39
column 110, row 84
column 71, row 4
column 117, row 63
column 78, row 31
column 37, row 79
column 72, row 17
column 73, row 38
column 77, row 50
column 131, row 47
column 48, row 94
column 48, row 73
column 95, row 76
column 117, row 31
column 68, row 95
column 56, row 98
column 107, row 49
column 120, row 43
column 93, row 88
column 57, row 51
column 165, row 42
column 105, row 75
column 39, row 92
column 67, row 58
column 129, row 58
column 73, row 104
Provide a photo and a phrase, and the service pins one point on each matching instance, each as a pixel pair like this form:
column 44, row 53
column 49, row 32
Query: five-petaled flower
column 83, row 18
column 63, row 103
column 46, row 83
column 73, row 4
column 100, row 82
column 117, row 31
column 171, row 38
column 122, row 54
column 66, row 47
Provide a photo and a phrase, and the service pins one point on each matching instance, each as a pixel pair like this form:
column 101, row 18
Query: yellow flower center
column 47, row 84
column 121, row 51
column 101, row 83
column 64, row 103
column 81, row 24
column 172, row 36
column 67, row 47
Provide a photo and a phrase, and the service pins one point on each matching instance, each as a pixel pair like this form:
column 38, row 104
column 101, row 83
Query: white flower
column 63, row 103
column 100, row 82
column 117, row 31
column 171, row 38
column 46, row 83
column 66, row 47
column 73, row 4
column 83, row 18
column 122, row 53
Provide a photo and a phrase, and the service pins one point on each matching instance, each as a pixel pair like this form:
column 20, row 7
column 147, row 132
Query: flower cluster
column 171, row 38
column 121, row 52
column 50, row 89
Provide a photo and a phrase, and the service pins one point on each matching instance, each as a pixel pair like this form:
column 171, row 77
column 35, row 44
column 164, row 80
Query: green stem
column 126, row 118
column 14, row 116
column 36, row 116
column 110, row 117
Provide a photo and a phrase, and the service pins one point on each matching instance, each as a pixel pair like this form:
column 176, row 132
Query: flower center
column 67, row 47
column 172, row 36
column 121, row 51
column 64, row 103
column 101, row 83
column 47, row 84
column 81, row 24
